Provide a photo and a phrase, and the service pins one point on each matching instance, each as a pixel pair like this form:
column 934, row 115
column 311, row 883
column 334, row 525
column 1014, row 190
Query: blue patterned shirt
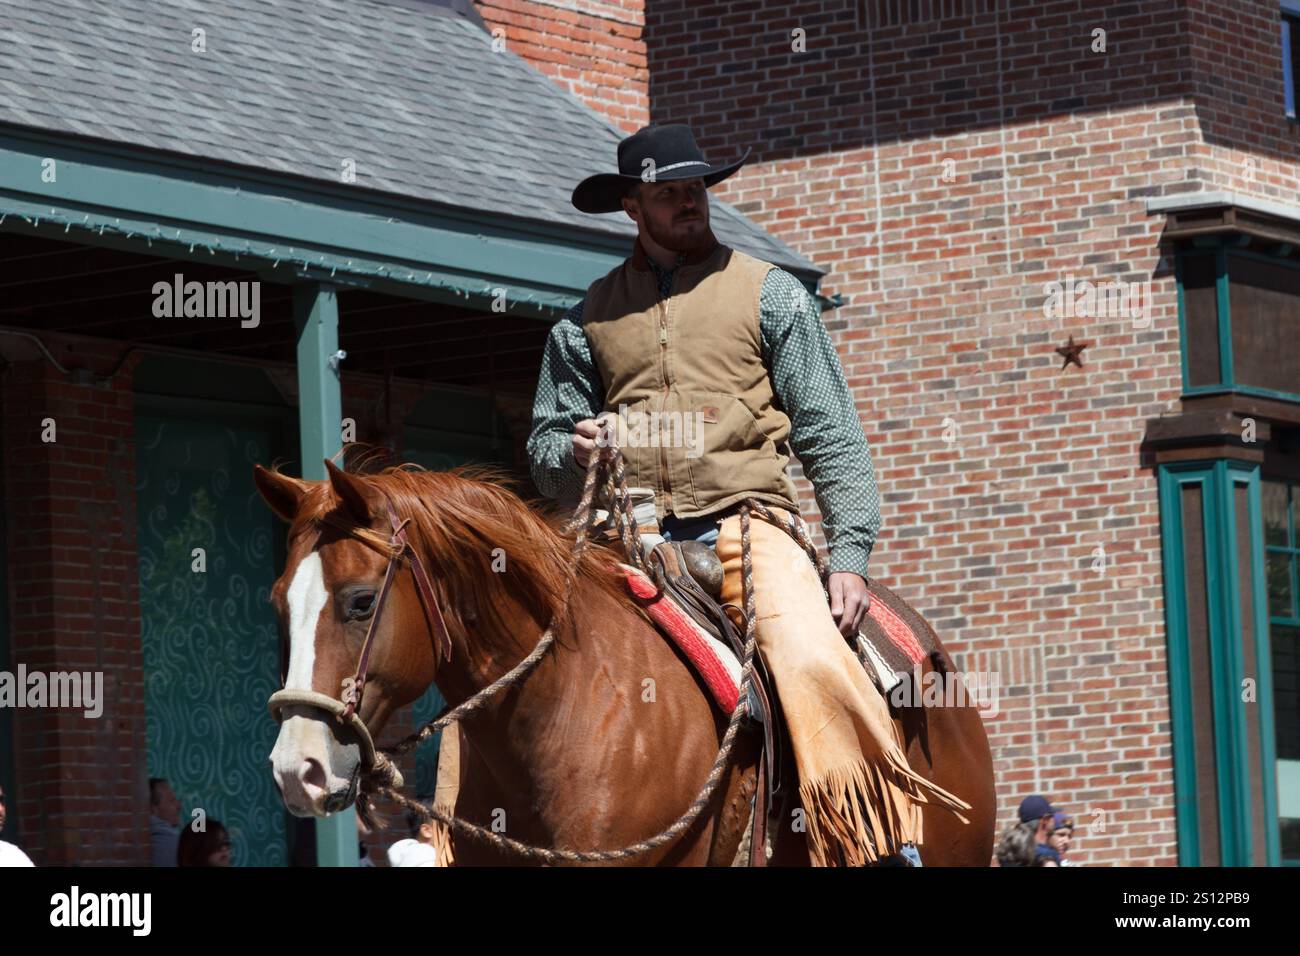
column 825, row 432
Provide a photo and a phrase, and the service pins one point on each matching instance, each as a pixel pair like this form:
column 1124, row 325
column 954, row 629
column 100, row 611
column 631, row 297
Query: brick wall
column 1246, row 145
column 82, row 795
column 944, row 170
column 1000, row 473
column 595, row 49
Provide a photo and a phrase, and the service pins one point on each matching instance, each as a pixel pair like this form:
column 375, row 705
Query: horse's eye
column 361, row 605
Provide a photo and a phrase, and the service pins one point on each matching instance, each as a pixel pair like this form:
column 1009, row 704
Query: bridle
column 345, row 708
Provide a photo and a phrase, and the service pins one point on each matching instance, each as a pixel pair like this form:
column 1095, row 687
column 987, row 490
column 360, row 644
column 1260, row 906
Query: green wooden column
column 1217, row 628
column 320, row 417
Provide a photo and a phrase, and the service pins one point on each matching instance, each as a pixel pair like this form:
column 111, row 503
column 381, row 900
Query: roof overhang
column 1221, row 213
column 292, row 231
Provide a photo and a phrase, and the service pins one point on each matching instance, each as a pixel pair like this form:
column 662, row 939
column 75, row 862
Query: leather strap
column 441, row 639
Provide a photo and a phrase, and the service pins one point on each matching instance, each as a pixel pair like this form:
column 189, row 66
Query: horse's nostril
column 312, row 775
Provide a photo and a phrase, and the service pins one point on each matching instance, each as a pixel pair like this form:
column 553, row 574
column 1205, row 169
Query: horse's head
column 325, row 600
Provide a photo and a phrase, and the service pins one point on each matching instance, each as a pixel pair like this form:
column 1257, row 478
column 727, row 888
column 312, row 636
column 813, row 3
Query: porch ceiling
column 48, row 285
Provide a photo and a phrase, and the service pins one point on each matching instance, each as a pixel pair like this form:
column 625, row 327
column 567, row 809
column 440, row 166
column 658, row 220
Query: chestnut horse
column 578, row 755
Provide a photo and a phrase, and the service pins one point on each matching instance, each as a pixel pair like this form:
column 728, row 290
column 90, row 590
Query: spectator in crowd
column 164, row 818
column 208, row 847
column 1036, row 814
column 417, row 849
column 1062, row 836
column 1016, row 848
column 10, row 855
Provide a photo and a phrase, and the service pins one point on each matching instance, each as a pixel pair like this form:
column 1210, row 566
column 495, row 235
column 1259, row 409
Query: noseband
column 345, row 708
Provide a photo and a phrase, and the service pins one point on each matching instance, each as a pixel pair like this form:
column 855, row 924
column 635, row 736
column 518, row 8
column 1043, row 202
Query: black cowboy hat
column 672, row 149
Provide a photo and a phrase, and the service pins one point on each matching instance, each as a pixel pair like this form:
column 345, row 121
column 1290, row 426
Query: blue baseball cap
column 1035, row 808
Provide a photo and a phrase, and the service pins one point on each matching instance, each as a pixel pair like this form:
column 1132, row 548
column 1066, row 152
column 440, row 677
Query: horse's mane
column 459, row 520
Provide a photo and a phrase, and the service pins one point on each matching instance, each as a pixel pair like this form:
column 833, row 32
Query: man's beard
column 696, row 237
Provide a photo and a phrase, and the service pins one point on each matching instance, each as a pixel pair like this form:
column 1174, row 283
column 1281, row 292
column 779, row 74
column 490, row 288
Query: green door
column 209, row 636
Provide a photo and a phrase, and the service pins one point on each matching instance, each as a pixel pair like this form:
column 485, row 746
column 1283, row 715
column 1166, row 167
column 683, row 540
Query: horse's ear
column 281, row 492
column 352, row 491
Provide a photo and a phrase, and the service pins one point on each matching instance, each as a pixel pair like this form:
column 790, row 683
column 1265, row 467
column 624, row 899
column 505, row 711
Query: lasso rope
column 379, row 781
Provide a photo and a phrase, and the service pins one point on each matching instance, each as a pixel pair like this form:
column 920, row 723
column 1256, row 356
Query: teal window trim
column 1223, row 254
column 1171, row 481
column 1233, row 474
column 1184, row 363
column 1240, row 390
column 1224, row 323
column 1219, row 481
column 1263, row 664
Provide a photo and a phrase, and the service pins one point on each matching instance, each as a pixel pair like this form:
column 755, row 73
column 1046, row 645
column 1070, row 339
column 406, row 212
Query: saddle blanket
column 891, row 641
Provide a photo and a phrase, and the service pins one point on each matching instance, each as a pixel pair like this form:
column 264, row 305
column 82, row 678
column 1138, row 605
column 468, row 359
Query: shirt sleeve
column 568, row 390
column 825, row 430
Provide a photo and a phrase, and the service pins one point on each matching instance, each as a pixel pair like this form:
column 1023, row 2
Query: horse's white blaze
column 307, row 596
column 304, row 739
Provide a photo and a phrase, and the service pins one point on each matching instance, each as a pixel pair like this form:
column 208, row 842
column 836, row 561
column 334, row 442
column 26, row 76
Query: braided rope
column 380, row 780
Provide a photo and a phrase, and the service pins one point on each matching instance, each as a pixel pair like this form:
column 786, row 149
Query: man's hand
column 849, row 601
column 585, row 434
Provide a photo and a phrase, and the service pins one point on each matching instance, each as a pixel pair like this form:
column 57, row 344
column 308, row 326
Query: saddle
column 690, row 574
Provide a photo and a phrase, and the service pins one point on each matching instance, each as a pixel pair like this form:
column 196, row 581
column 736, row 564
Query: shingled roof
column 413, row 92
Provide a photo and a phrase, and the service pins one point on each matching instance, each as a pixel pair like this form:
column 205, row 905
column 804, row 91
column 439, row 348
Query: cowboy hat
column 654, row 153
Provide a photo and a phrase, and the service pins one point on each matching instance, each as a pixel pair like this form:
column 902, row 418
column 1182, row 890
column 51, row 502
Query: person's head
column 1062, row 832
column 162, row 801
column 673, row 213
column 420, row 828
column 1036, row 810
column 1016, row 848
column 208, row 847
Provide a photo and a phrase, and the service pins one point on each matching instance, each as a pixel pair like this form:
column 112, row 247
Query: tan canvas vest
column 702, row 426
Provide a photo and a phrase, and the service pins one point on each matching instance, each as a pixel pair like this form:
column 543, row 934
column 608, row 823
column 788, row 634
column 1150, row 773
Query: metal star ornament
column 1072, row 352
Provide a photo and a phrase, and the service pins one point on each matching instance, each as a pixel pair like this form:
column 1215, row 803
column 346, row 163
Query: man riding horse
column 689, row 330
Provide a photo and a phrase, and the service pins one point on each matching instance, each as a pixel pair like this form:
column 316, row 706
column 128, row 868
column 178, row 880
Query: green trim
column 188, row 209
column 292, row 228
column 1182, row 323
column 1264, row 667
column 1224, row 317
column 1219, row 480
column 1216, row 246
column 1241, row 390
column 320, row 416
column 1171, row 480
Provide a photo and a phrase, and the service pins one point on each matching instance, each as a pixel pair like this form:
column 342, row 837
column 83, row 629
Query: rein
column 379, row 775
